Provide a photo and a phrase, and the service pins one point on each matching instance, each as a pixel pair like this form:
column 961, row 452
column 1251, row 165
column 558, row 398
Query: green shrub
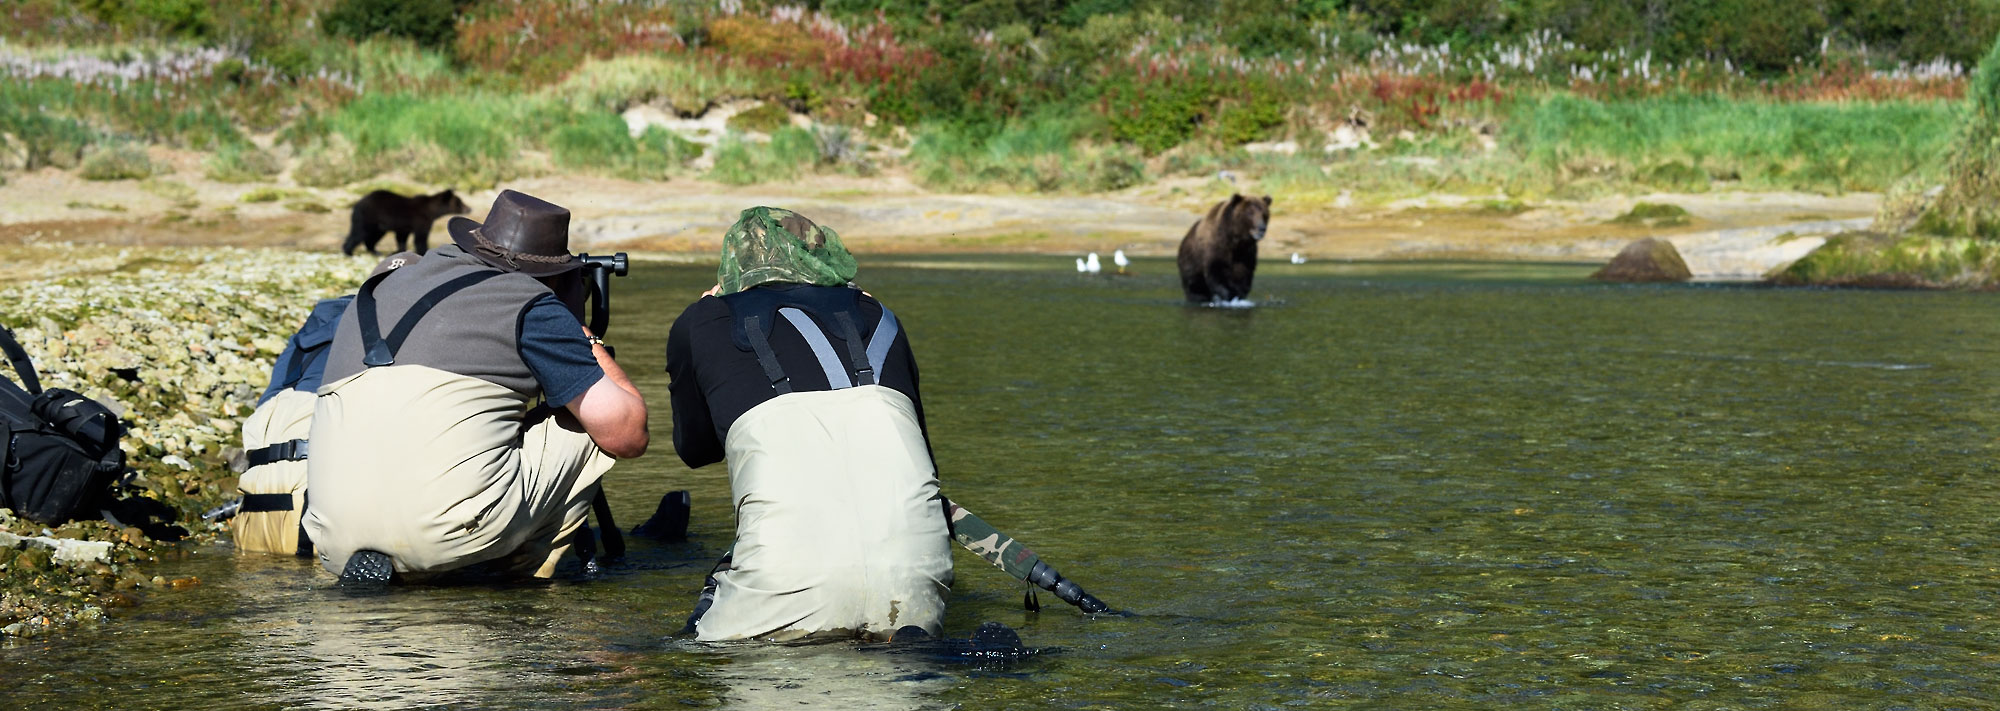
column 1969, row 204
column 184, row 18
column 242, row 164
column 431, row 23
column 118, row 162
column 39, row 140
column 1159, row 115
column 1253, row 118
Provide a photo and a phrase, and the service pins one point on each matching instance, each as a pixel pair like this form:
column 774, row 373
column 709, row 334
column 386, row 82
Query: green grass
column 1046, row 153
column 271, row 194
column 618, row 84
column 790, row 152
column 242, row 164
column 1752, row 143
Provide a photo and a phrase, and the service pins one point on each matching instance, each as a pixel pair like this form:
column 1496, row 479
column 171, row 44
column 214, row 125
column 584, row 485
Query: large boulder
column 1646, row 260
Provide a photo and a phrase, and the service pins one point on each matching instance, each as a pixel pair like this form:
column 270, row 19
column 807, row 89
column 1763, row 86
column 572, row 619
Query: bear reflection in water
column 1218, row 256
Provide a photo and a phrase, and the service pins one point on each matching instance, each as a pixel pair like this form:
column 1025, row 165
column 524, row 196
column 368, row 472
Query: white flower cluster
column 181, row 339
column 1544, row 54
column 121, row 66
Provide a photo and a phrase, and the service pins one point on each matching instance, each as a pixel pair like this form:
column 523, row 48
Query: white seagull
column 1298, row 258
column 1118, row 258
column 1091, row 265
column 1080, row 268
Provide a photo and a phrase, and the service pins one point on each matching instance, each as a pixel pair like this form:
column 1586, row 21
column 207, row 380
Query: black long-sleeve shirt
column 716, row 377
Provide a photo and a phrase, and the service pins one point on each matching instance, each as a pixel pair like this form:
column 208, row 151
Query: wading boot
column 669, row 523
column 367, row 570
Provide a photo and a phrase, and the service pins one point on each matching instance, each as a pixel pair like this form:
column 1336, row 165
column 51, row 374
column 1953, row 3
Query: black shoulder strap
column 23, row 367
column 857, row 352
column 753, row 328
column 379, row 351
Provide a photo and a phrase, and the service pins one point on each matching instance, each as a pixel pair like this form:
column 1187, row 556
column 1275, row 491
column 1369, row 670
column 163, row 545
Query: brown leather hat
column 522, row 233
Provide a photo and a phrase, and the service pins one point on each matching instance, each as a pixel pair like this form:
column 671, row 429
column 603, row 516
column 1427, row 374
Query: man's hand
column 612, row 411
column 712, row 290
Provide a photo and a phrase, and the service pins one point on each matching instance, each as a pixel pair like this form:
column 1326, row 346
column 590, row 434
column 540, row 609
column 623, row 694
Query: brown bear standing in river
column 1219, row 253
column 382, row 212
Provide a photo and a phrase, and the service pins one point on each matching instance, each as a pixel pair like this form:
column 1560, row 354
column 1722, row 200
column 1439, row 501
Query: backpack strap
column 23, row 367
column 82, row 420
column 379, row 351
column 289, row 451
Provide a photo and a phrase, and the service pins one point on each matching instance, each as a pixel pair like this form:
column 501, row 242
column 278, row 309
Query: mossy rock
column 1884, row 261
column 1654, row 214
column 765, row 118
column 1647, row 260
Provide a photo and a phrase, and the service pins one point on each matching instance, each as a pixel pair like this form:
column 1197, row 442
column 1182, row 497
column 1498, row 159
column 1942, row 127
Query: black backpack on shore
column 59, row 455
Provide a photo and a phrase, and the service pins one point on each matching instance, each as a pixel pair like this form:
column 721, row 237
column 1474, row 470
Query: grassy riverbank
column 290, row 93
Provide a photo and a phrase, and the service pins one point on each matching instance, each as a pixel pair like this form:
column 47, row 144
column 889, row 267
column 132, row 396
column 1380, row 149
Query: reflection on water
column 763, row 677
column 1408, row 486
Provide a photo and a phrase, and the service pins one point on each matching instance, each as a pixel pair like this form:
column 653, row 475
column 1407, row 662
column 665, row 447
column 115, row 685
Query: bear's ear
column 1267, row 201
column 1234, row 200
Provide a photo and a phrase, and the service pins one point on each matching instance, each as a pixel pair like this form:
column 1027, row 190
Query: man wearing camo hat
column 807, row 387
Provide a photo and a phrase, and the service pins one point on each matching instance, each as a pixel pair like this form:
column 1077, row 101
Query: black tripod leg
column 614, row 541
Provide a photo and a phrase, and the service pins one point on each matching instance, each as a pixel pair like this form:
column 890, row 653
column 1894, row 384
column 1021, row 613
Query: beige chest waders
column 840, row 529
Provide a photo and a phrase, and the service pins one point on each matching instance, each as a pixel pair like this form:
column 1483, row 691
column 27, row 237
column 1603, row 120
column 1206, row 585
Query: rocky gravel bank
column 178, row 341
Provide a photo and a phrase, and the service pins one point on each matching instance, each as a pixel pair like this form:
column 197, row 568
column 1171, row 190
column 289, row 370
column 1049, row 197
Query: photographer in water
column 808, row 388
column 428, row 451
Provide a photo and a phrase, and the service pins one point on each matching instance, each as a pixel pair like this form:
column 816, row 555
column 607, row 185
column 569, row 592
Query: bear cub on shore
column 381, row 212
column 1219, row 254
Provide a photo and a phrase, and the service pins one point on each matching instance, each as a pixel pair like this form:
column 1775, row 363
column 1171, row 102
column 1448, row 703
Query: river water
column 1389, row 486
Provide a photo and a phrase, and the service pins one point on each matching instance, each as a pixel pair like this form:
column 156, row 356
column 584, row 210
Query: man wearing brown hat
column 429, row 450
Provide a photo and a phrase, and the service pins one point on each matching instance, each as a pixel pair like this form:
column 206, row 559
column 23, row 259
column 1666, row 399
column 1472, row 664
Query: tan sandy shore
column 1731, row 234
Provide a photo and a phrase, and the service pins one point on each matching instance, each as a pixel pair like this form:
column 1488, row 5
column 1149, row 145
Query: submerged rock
column 1647, row 260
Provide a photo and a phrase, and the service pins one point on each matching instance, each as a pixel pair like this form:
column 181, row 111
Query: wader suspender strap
column 885, row 336
column 23, row 368
column 759, row 341
column 380, row 351
column 867, row 359
column 857, row 352
column 836, row 378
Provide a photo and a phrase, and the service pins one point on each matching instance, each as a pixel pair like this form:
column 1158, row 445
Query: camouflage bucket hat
column 769, row 244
